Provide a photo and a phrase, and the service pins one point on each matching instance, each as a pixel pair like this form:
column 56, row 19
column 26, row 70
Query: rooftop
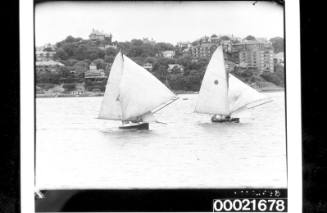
column 48, row 63
column 98, row 32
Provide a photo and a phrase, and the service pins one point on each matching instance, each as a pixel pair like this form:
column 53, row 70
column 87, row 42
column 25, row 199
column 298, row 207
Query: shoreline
column 179, row 92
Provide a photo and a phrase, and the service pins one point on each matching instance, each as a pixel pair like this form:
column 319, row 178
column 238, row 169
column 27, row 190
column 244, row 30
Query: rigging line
column 159, row 122
column 165, row 105
column 245, row 106
column 268, row 101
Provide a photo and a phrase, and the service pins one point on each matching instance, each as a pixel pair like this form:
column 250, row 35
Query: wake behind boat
column 133, row 95
column 223, row 95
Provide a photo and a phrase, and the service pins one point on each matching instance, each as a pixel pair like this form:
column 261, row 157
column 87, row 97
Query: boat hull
column 138, row 126
column 224, row 120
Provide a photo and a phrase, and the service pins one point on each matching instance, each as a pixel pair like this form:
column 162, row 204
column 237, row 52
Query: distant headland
column 80, row 67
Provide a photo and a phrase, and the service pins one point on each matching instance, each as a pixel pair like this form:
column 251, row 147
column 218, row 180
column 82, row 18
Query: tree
column 194, row 80
column 137, row 42
column 184, row 60
column 61, row 54
column 94, row 53
column 64, row 72
column 138, row 60
column 70, row 39
column 276, row 78
column 162, row 46
column 48, row 49
column 81, row 67
column 224, row 38
column 278, row 44
column 100, row 63
column 70, row 62
column 250, row 37
column 279, row 68
column 80, row 52
column 109, row 59
column 160, row 71
column 69, row 86
column 151, row 60
column 111, row 52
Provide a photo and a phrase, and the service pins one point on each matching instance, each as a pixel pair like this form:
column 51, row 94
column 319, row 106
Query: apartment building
column 256, row 54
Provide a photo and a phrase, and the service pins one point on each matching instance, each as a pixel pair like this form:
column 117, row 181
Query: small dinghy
column 222, row 95
column 138, row 126
column 133, row 95
column 222, row 119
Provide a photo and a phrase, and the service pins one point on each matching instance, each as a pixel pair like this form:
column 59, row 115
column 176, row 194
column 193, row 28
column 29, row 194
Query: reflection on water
column 76, row 150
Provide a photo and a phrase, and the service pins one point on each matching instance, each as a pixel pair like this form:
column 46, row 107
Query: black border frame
column 146, row 200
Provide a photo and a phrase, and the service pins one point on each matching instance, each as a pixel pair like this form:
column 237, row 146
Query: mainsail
column 213, row 95
column 222, row 93
column 110, row 107
column 140, row 91
column 132, row 92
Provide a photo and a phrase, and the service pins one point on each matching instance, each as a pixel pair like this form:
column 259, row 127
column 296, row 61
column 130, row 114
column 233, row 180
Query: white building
column 148, row 66
column 255, row 55
column 42, row 55
column 184, row 45
column 175, row 68
column 168, row 53
column 279, row 58
column 99, row 35
column 50, row 66
column 227, row 45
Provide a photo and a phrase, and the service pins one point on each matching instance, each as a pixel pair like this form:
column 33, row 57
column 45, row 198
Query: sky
column 162, row 21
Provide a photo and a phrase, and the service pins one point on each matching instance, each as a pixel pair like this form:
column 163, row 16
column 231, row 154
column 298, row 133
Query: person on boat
column 137, row 120
column 125, row 122
column 221, row 118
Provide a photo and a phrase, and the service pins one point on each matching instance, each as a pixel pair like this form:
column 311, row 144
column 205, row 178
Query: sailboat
column 133, row 95
column 222, row 95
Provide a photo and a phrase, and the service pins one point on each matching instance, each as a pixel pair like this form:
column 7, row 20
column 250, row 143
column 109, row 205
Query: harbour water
column 76, row 150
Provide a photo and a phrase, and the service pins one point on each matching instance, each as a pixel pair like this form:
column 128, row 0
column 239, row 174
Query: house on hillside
column 279, row 58
column 47, row 66
column 148, row 66
column 77, row 92
column 42, row 55
column 203, row 50
column 227, row 45
column 183, row 45
column 175, row 68
column 95, row 78
column 168, row 53
column 229, row 66
column 255, row 54
column 100, row 36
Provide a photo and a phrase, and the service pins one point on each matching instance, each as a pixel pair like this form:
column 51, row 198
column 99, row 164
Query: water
column 75, row 150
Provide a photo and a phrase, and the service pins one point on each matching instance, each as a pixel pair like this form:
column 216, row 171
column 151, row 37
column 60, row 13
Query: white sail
column 240, row 95
column 213, row 95
column 110, row 107
column 140, row 91
column 148, row 117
